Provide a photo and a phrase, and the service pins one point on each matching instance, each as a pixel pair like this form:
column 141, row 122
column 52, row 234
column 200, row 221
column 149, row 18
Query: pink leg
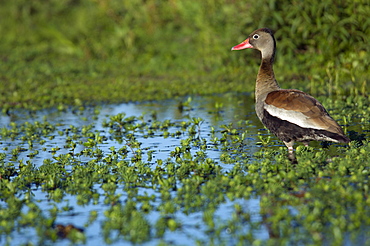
column 291, row 155
column 290, row 146
column 290, row 150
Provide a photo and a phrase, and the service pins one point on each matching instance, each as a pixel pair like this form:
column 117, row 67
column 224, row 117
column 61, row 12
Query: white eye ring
column 256, row 36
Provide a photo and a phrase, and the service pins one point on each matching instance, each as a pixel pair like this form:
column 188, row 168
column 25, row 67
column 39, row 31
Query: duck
column 291, row 115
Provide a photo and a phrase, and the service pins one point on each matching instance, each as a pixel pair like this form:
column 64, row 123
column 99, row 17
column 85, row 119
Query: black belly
column 287, row 131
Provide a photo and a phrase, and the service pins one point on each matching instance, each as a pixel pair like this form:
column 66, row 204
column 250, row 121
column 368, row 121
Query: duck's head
column 262, row 40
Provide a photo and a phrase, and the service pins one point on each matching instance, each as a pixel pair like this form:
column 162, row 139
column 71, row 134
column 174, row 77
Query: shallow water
column 215, row 111
column 234, row 108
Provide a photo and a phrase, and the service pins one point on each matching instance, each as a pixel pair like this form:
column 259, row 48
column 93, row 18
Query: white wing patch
column 292, row 116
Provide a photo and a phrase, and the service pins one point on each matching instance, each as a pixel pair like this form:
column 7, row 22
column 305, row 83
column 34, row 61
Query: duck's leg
column 290, row 146
column 291, row 155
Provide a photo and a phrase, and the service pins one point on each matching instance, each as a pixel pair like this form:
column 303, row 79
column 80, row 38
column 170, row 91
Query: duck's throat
column 266, row 81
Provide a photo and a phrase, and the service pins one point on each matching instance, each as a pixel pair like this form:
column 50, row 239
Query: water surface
column 215, row 112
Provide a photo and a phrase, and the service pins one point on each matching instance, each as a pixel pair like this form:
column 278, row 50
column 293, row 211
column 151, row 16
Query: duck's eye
column 256, row 36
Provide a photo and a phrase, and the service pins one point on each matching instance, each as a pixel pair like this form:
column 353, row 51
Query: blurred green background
column 74, row 52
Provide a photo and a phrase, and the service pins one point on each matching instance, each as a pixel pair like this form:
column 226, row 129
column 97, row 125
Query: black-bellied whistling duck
column 291, row 115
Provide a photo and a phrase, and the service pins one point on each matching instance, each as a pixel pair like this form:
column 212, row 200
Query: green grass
column 55, row 54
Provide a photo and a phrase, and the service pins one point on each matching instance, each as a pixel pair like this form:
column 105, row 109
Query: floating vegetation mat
column 196, row 172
